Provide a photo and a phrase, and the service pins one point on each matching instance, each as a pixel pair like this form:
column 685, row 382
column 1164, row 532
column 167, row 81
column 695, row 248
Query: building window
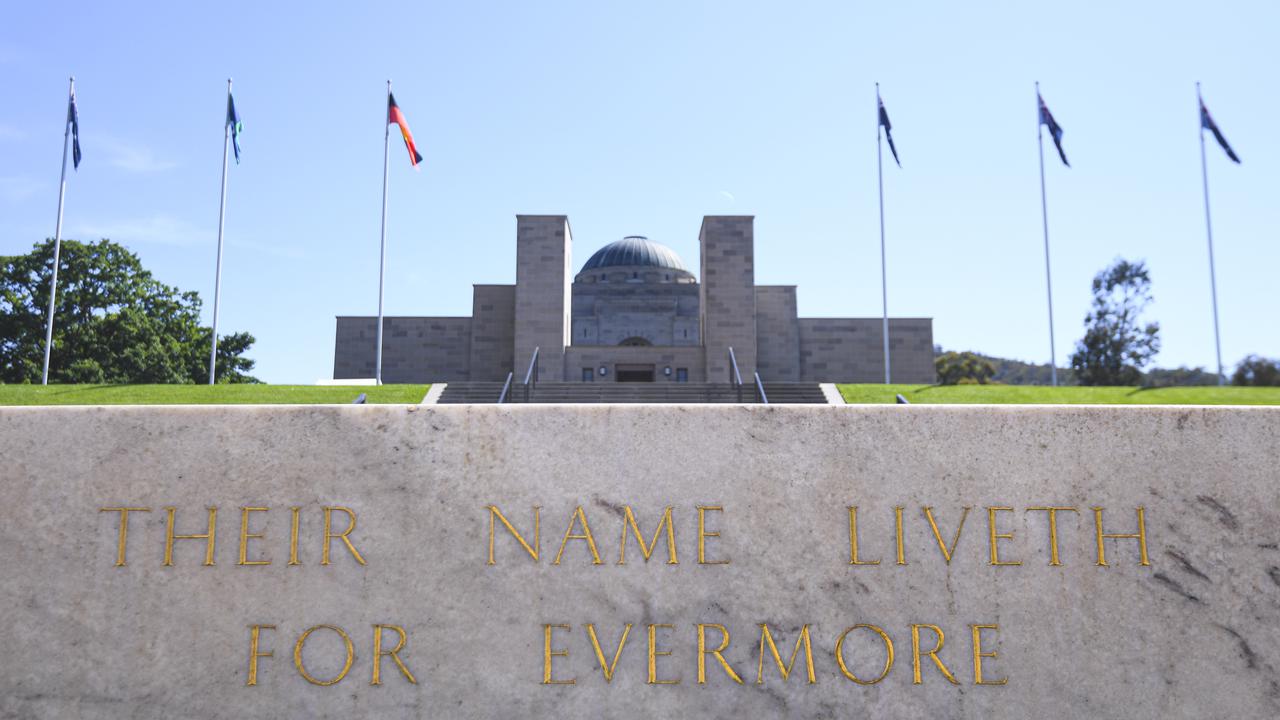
column 604, row 278
column 682, row 375
column 588, row 375
column 686, row 332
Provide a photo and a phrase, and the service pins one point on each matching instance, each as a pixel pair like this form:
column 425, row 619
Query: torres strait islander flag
column 395, row 116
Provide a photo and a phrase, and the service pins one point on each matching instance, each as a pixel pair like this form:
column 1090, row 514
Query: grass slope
column 1039, row 394
column 206, row 394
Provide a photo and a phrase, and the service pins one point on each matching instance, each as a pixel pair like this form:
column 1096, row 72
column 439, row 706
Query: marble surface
column 1196, row 633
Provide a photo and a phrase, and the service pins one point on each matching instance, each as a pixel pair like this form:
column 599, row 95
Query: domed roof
column 635, row 250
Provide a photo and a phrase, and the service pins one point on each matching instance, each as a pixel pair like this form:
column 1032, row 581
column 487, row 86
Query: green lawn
column 206, row 394
column 1037, row 394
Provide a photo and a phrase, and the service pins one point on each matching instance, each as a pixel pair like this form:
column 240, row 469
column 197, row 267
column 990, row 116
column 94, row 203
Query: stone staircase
column 613, row 392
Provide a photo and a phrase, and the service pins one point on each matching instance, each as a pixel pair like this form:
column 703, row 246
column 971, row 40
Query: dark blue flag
column 1207, row 123
column 884, row 123
column 233, row 122
column 1055, row 130
column 73, row 117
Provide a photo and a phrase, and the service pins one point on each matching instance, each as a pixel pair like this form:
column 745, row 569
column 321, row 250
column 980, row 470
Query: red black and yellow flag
column 395, row 116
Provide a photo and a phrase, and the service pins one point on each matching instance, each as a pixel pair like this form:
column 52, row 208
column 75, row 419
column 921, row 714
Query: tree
column 1116, row 346
column 963, row 369
column 114, row 322
column 1257, row 370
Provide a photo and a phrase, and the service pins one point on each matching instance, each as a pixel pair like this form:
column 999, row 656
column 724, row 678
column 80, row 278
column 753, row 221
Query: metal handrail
column 505, row 387
column 760, row 388
column 736, row 377
column 531, row 374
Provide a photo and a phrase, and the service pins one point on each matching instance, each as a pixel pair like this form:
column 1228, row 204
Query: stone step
column 612, row 392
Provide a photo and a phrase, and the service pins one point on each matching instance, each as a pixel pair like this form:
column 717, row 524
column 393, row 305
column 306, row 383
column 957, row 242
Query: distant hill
column 1017, row 372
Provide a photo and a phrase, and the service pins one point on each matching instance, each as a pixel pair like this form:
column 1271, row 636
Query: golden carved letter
column 978, row 655
column 629, row 522
column 946, row 553
column 608, row 668
column 208, row 537
column 888, row 654
column 933, row 654
column 579, row 516
column 853, row 544
column 297, row 655
column 537, row 532
column 1140, row 536
column 654, row 652
column 254, row 654
column 329, row 536
column 703, row 652
column 378, row 652
column 245, row 536
column 548, row 653
column 785, row 670
column 124, row 528
column 703, row 534
column 1053, row 529
column 293, row 536
column 994, row 536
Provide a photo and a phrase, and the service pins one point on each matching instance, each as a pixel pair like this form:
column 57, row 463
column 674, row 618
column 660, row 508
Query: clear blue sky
column 640, row 119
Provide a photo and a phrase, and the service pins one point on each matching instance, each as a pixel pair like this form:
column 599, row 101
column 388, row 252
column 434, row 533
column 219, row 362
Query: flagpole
column 222, row 214
column 57, row 240
column 1044, row 214
column 1208, row 224
column 382, row 257
column 884, row 281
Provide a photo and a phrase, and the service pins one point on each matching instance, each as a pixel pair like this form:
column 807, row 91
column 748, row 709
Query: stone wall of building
column 777, row 333
column 542, row 300
column 852, row 350
column 493, row 327
column 662, row 313
column 414, row 349
column 579, row 358
column 728, row 293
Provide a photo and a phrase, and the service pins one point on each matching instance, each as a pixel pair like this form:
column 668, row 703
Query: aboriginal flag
column 1207, row 123
column 1046, row 118
column 884, row 123
column 395, row 116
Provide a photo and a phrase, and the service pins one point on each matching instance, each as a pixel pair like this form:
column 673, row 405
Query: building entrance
column 633, row 373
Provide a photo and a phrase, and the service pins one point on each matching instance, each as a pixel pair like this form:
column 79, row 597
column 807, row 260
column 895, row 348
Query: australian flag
column 73, row 117
column 1046, row 119
column 233, row 122
column 884, row 123
column 1207, row 123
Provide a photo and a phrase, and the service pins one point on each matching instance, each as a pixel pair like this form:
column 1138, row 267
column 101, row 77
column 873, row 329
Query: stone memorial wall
column 640, row 562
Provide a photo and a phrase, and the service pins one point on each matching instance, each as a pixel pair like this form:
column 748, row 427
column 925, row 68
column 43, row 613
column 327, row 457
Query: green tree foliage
column 1116, row 345
column 1257, row 370
column 963, row 368
column 114, row 322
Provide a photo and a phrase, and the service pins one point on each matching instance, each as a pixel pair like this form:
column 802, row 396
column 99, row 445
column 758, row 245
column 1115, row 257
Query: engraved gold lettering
column 1053, row 529
column 608, row 668
column 208, row 537
column 579, row 517
column 245, row 536
column 946, row 553
column 897, row 521
column 888, row 654
column 124, row 529
column 654, row 653
column 784, row 670
column 394, row 652
column 994, row 536
column 629, row 522
column 293, row 536
column 537, row 532
column 254, row 653
column 302, row 670
column 703, row 652
column 329, row 536
column 1140, row 536
column 853, row 544
column 933, row 654
column 978, row 655
column 548, row 653
column 703, row 534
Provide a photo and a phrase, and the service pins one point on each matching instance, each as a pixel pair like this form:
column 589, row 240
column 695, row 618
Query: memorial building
column 634, row 312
